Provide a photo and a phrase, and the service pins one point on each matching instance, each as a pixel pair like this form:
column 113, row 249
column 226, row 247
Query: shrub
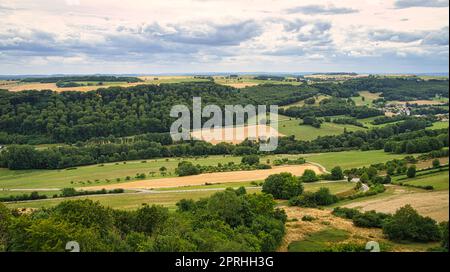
column 436, row 163
column 407, row 224
column 250, row 159
column 307, row 199
column 186, row 168
column 282, row 186
column 322, row 197
column 370, row 219
column 411, row 172
column 444, row 233
column 309, row 176
column 308, row 218
column 336, row 173
column 345, row 212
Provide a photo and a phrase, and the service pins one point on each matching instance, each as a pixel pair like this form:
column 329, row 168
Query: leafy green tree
column 336, row 173
column 228, row 206
column 185, row 205
column 250, row 159
column 436, row 163
column 86, row 213
column 5, row 220
column 323, row 197
column 148, row 218
column 163, row 170
column 309, row 176
column 444, row 233
column 364, row 177
column 407, row 224
column 282, row 186
column 186, row 168
column 411, row 172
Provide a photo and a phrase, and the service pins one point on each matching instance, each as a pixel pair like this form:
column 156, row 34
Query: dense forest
column 160, row 145
column 48, row 117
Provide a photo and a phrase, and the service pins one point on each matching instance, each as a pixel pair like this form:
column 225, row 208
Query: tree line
column 28, row 157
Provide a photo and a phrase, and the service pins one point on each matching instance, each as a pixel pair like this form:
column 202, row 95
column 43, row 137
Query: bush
column 250, row 159
column 347, row 213
column 309, row 176
column 370, row 219
column 336, row 173
column 444, row 233
column 411, row 172
column 322, row 197
column 308, row 218
column 407, row 224
column 186, row 168
column 436, row 163
column 282, row 186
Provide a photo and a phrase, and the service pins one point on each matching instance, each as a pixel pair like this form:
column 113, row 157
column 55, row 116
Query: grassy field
column 350, row 159
column 245, row 81
column 439, row 125
column 99, row 175
column 319, row 241
column 368, row 98
column 93, row 85
column 166, row 197
column 302, row 102
column 291, row 126
column 439, row 180
column 124, row 201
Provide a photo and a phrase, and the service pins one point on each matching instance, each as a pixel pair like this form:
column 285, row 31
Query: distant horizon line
column 224, row 73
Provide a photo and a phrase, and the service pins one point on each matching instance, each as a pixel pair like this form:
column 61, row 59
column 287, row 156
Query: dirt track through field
column 432, row 204
column 220, row 177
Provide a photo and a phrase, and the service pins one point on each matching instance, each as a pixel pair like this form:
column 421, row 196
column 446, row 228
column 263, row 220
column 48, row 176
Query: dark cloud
column 438, row 37
column 432, row 37
column 385, row 35
column 127, row 43
column 401, row 4
column 313, row 38
column 321, row 10
column 212, row 35
column 318, row 34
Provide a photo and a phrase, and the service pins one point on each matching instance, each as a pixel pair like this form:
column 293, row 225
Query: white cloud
column 142, row 36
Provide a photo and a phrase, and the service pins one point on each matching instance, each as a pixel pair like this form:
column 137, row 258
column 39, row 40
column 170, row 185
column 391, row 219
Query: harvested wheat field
column 236, row 134
column 221, row 177
column 240, row 85
column 299, row 230
column 419, row 102
column 16, row 87
column 432, row 204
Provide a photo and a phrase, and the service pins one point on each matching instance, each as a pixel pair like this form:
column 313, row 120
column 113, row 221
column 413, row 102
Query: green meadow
column 108, row 173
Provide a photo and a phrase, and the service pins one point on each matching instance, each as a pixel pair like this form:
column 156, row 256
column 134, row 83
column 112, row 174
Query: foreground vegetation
column 210, row 224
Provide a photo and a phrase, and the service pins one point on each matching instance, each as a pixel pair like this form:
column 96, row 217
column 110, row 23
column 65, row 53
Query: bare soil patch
column 211, row 178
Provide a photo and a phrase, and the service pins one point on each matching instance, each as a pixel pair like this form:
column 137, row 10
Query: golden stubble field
column 211, row 178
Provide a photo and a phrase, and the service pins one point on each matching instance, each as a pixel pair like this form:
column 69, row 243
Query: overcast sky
column 194, row 36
